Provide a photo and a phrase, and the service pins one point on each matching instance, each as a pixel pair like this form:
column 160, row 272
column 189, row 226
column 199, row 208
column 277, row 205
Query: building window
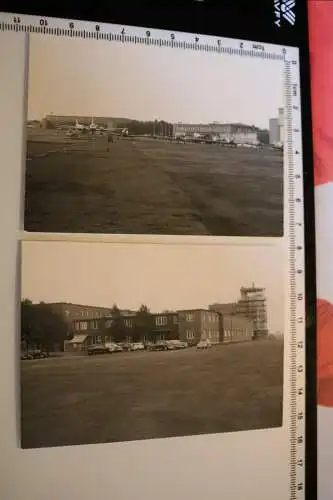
column 161, row 320
column 83, row 325
column 128, row 323
column 94, row 324
column 99, row 339
column 189, row 334
column 189, row 317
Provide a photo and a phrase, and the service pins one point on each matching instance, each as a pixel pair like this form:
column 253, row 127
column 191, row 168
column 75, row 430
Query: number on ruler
column 300, row 440
column 97, row 27
column 300, row 415
column 300, row 487
column 43, row 22
column 300, row 368
column 172, row 36
column 299, row 296
column 123, row 31
column 196, row 39
column 17, row 20
column 218, row 42
column 147, row 34
column 300, row 462
column 71, row 26
column 300, row 391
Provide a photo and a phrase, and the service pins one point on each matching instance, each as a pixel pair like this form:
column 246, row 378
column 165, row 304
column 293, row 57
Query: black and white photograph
column 130, row 342
column 130, row 138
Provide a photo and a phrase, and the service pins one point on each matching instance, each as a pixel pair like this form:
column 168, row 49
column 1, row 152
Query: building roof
column 199, row 309
column 78, row 305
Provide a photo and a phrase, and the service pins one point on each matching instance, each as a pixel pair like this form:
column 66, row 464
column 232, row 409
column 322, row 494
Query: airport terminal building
column 237, row 132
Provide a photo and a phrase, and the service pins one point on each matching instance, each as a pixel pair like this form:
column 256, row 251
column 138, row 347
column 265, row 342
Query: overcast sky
column 99, row 78
column 160, row 276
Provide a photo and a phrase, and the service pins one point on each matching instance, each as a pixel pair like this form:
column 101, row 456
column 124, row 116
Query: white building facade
column 281, row 125
column 274, row 131
column 238, row 133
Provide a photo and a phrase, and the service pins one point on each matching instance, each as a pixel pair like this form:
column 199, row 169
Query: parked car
column 126, row 346
column 34, row 354
column 113, row 347
column 97, row 349
column 137, row 346
column 159, row 346
column 174, row 345
column 26, row 355
column 204, row 344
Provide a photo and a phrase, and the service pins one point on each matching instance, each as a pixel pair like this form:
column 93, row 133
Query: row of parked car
column 34, row 354
column 167, row 345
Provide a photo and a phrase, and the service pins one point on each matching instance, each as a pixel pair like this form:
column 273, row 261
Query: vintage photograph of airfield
column 122, row 343
column 133, row 139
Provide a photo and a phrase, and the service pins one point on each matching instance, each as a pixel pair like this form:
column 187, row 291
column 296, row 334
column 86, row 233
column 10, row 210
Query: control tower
column 253, row 305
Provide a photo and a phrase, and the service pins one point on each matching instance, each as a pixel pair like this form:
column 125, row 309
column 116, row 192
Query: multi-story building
column 123, row 327
column 71, row 312
column 276, row 128
column 221, row 323
column 274, row 131
column 236, row 328
column 228, row 308
column 165, row 326
column 281, row 125
column 199, row 324
column 237, row 132
column 251, row 305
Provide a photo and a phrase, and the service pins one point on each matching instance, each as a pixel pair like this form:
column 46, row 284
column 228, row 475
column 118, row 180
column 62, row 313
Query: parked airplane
column 92, row 126
column 79, row 126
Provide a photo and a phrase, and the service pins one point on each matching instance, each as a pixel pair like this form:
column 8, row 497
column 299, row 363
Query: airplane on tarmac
column 79, row 126
column 92, row 126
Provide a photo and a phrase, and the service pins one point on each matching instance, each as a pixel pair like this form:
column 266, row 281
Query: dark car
column 159, row 346
column 97, row 349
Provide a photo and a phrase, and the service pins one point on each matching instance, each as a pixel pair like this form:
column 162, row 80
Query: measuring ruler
column 293, row 179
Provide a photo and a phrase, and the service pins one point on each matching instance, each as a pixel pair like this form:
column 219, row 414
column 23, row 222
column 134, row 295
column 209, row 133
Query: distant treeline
column 151, row 127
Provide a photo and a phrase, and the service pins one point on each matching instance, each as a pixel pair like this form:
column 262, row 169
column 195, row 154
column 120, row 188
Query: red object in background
column 325, row 352
column 321, row 61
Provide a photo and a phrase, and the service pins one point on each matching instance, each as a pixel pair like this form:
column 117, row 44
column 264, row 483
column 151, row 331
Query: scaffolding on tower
column 253, row 305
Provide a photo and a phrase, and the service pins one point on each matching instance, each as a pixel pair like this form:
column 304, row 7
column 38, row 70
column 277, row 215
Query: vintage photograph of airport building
column 140, row 360
column 152, row 155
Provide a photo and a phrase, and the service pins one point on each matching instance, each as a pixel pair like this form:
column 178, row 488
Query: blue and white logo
column 284, row 9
